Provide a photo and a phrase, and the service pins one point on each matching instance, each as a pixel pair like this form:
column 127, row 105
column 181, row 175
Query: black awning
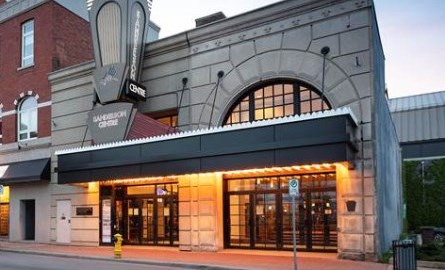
column 25, row 171
column 314, row 141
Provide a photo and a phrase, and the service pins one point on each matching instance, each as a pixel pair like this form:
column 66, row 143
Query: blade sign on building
column 119, row 29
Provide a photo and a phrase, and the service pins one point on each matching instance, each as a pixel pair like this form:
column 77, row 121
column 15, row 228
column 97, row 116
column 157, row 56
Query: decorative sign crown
column 119, row 28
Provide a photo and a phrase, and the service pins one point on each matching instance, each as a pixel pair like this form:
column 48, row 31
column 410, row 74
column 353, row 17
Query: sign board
column 111, row 122
column 294, row 187
column 84, row 211
column 1, row 190
column 106, row 221
column 119, row 29
column 135, row 90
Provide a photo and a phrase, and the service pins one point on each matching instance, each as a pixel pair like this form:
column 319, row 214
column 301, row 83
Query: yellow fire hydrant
column 117, row 246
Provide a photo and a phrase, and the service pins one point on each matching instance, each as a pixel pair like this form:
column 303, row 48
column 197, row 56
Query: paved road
column 16, row 261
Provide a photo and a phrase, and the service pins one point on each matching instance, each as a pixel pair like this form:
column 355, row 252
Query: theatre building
column 198, row 149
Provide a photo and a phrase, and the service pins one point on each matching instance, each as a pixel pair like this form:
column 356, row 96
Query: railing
column 404, row 255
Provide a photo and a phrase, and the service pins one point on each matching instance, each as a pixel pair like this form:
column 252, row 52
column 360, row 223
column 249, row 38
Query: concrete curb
column 429, row 264
column 426, row 264
column 133, row 261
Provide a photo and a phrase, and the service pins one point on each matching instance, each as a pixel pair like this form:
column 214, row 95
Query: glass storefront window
column 242, row 184
column 140, row 190
column 260, row 216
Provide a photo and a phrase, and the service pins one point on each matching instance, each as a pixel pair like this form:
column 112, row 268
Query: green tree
column 424, row 193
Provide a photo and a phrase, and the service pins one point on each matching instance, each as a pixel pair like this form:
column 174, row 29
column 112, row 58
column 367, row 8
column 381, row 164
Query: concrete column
column 198, row 212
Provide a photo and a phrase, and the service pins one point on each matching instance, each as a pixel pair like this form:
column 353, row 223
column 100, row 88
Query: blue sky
column 412, row 34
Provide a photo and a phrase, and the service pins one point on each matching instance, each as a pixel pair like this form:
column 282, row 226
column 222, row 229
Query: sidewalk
column 170, row 256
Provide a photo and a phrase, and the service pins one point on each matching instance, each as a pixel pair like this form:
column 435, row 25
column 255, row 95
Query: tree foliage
column 424, row 193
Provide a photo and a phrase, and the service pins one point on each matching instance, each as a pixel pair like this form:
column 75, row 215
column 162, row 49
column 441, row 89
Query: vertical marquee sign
column 119, row 29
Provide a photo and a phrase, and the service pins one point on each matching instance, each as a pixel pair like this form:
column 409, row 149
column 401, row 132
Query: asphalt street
column 17, row 261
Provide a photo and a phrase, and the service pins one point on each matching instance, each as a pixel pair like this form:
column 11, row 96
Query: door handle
column 69, row 221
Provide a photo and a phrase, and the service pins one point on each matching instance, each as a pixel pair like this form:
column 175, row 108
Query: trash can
column 404, row 252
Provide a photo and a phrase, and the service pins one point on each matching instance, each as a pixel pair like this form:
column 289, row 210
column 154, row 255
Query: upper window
column 170, row 120
column 27, row 117
column 28, row 44
column 169, row 117
column 276, row 100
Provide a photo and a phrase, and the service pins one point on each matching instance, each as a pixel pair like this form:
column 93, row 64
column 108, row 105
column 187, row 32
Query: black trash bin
column 404, row 254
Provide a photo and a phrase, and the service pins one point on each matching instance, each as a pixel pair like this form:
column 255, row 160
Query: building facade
column 420, row 125
column 37, row 37
column 294, row 90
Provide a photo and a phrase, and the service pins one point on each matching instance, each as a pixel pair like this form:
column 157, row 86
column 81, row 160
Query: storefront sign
column 110, row 122
column 106, row 221
column 135, row 90
column 118, row 28
column 84, row 211
column 137, row 24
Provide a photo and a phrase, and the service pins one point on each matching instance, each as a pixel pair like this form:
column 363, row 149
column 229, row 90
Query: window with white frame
column 28, row 43
column 27, row 118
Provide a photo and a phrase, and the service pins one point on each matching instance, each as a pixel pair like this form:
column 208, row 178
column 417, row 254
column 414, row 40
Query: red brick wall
column 72, row 38
column 58, row 34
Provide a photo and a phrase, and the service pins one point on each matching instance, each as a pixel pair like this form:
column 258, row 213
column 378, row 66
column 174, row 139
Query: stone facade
column 282, row 41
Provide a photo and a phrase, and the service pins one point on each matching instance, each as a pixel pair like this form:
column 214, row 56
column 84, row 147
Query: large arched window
column 274, row 100
column 27, row 119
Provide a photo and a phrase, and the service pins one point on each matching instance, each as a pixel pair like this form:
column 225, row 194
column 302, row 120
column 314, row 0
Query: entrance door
column 29, row 207
column 152, row 221
column 64, row 221
column 253, row 220
column 265, row 221
column 148, row 226
column 258, row 213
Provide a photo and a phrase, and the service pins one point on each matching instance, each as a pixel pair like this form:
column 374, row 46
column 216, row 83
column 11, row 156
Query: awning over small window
column 24, row 172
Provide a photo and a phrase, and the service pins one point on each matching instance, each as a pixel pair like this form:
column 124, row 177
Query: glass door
column 152, row 221
column 167, row 221
column 240, row 220
column 265, row 221
column 147, row 217
column 133, row 232
column 287, row 240
column 322, row 221
column 258, row 212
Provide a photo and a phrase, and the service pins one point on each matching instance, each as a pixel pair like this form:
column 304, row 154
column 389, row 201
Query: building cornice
column 271, row 19
column 12, row 9
column 72, row 72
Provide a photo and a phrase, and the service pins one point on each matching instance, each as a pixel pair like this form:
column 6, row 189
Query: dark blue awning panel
column 313, row 141
column 25, row 171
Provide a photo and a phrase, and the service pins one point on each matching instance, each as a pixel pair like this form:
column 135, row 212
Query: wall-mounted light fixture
column 350, row 206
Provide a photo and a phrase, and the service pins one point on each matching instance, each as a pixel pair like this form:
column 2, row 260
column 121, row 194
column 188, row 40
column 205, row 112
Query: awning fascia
column 312, row 141
column 25, row 171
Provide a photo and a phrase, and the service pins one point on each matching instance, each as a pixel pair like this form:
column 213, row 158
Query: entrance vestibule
column 258, row 212
column 143, row 214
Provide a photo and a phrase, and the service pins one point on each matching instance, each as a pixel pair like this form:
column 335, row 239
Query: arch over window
column 27, row 119
column 276, row 99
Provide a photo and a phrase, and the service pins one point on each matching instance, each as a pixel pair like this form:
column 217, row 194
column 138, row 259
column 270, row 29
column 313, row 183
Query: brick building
column 36, row 38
